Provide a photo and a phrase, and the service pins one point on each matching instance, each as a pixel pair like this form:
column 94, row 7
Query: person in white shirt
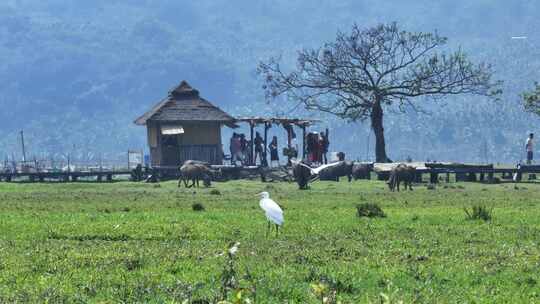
column 529, row 148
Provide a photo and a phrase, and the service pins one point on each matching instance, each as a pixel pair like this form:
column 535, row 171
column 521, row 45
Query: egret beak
column 258, row 194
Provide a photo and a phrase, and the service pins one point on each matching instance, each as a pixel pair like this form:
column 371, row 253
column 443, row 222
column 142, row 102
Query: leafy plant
column 479, row 212
column 228, row 278
column 197, row 207
column 369, row 210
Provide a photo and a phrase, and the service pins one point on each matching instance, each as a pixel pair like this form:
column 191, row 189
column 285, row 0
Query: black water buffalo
column 401, row 173
column 361, row 171
column 344, row 168
column 302, row 175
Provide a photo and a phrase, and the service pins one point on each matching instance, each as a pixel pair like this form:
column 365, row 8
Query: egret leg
column 268, row 228
column 277, row 230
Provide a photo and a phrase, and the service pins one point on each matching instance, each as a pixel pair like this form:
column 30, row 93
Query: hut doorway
column 170, row 150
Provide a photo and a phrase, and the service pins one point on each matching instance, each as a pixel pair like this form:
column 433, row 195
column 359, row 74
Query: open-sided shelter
column 285, row 122
column 184, row 126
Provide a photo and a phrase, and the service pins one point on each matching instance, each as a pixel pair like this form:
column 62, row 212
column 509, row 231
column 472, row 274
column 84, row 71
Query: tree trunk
column 378, row 130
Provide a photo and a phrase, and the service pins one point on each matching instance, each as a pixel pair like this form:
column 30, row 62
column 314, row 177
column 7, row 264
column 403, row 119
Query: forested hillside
column 75, row 74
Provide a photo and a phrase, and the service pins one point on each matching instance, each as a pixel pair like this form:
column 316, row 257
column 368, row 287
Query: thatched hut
column 184, row 126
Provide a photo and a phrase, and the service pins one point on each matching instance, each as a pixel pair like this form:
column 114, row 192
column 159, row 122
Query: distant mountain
column 75, row 74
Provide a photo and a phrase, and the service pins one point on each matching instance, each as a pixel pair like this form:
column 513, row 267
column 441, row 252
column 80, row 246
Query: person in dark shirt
column 325, row 144
column 243, row 148
column 259, row 147
column 274, row 156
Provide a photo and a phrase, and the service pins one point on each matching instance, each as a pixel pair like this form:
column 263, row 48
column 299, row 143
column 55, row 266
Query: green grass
column 140, row 243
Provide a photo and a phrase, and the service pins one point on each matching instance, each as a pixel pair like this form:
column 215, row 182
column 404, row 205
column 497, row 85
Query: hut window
column 172, row 130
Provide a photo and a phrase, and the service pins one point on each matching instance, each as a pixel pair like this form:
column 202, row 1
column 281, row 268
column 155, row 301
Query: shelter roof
column 184, row 104
column 278, row 120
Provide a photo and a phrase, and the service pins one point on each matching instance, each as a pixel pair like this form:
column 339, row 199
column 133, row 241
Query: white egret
column 273, row 212
column 314, row 171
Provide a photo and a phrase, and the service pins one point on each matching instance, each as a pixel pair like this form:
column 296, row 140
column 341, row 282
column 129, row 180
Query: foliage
column 197, row 207
column 379, row 64
column 532, row 100
column 362, row 72
column 369, row 210
column 479, row 212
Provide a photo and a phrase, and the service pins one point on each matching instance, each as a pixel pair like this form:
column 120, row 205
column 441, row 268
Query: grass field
column 128, row 242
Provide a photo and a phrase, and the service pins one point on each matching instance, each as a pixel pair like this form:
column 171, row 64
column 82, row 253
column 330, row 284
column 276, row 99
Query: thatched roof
column 185, row 104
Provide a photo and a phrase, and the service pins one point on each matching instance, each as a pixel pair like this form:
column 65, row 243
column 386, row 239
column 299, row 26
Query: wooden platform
column 63, row 176
column 462, row 172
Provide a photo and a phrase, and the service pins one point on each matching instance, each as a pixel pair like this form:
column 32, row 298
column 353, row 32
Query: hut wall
column 200, row 141
column 201, row 134
column 154, row 142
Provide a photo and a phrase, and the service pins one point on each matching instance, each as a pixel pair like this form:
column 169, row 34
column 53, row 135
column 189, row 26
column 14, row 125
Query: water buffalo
column 344, row 168
column 302, row 174
column 361, row 171
column 401, row 173
column 195, row 171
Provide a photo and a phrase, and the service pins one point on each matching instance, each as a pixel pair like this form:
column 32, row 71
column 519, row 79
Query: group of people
column 317, row 147
column 240, row 153
column 260, row 153
column 239, row 148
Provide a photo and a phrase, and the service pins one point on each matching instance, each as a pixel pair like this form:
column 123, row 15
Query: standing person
column 308, row 147
column 236, row 149
column 319, row 149
column 258, row 148
column 529, row 148
column 231, row 147
column 312, row 147
column 325, row 145
column 239, row 150
column 274, row 155
column 243, row 147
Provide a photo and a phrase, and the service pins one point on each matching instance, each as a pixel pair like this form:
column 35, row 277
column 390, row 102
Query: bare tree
column 362, row 72
column 532, row 100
